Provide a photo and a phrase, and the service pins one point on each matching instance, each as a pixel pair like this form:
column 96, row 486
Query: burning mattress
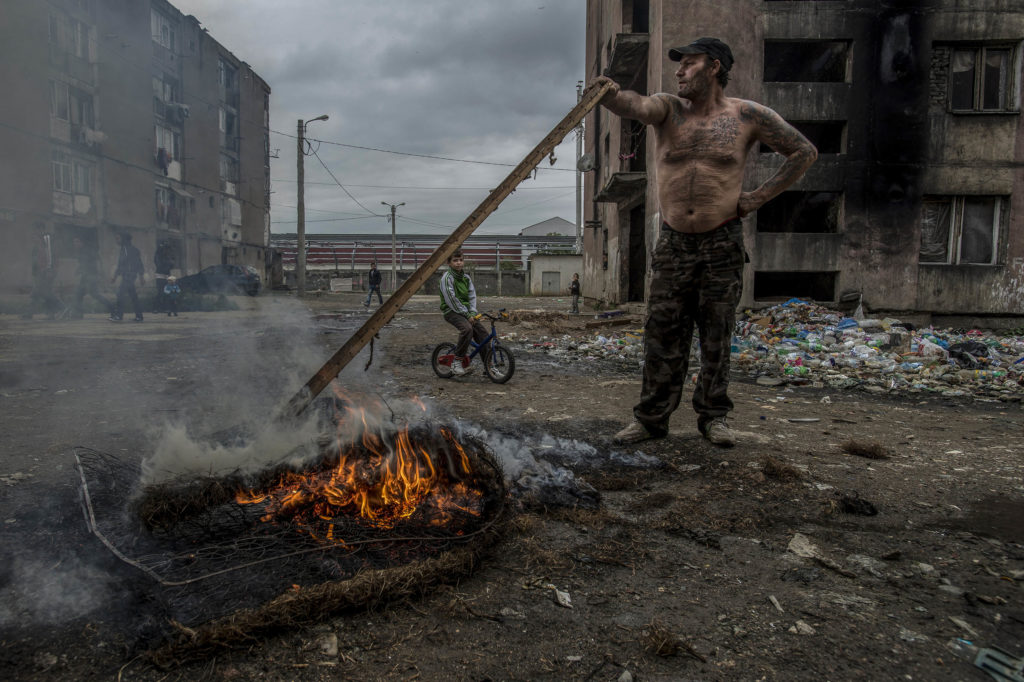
column 385, row 516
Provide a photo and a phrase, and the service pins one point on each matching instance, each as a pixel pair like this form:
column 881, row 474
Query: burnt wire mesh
column 210, row 555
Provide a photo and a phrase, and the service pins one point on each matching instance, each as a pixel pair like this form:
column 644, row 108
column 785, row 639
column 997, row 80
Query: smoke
column 44, row 593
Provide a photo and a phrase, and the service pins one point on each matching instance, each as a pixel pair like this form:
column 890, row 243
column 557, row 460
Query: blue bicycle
column 498, row 361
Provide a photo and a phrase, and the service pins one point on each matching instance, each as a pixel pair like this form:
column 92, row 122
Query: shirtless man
column 702, row 139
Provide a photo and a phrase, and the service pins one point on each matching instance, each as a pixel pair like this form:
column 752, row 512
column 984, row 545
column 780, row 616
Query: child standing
column 574, row 290
column 171, row 293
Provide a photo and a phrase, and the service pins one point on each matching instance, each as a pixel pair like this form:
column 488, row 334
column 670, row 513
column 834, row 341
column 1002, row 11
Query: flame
column 380, row 478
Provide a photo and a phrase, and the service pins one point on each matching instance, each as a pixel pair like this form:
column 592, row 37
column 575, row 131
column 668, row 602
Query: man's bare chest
column 719, row 139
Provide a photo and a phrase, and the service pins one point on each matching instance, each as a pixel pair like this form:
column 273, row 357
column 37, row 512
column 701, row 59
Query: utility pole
column 300, row 210
column 394, row 246
column 579, row 175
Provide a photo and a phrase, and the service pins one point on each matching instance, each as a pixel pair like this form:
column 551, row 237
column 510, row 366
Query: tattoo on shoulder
column 676, row 110
column 772, row 129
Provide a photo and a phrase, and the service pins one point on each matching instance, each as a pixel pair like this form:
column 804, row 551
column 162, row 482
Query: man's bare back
column 702, row 139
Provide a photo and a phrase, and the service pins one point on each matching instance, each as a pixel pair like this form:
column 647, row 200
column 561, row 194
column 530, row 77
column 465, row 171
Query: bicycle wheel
column 442, row 358
column 500, row 364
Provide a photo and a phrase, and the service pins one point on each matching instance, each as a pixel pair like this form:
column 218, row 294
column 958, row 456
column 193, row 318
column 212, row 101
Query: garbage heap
column 802, row 342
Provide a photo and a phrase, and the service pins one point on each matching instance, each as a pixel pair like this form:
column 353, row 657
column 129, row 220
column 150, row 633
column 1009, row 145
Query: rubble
column 802, row 343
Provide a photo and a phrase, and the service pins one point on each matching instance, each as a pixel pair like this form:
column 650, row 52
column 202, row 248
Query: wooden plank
column 318, row 382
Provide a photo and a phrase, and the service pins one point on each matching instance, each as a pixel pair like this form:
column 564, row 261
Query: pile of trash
column 801, row 342
column 623, row 347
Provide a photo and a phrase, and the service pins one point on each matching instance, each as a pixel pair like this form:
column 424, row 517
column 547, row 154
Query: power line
column 377, row 215
column 422, row 156
column 488, row 189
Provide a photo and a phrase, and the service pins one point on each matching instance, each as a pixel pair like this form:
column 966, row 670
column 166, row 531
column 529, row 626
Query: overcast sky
column 479, row 80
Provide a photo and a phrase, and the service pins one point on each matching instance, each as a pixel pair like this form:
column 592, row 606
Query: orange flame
column 381, row 480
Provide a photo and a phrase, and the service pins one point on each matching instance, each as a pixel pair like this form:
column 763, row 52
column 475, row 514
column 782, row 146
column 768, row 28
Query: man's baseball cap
column 712, row 47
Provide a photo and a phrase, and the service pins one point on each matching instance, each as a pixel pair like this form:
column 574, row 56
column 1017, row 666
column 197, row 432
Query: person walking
column 373, row 281
column 43, row 274
column 702, row 140
column 88, row 279
column 129, row 269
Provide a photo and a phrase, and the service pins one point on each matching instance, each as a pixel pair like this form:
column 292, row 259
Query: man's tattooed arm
column 770, row 129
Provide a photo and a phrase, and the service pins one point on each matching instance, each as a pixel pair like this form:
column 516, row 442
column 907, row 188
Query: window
column 69, row 35
column 227, row 76
column 980, row 79
column 168, row 140
column 162, row 30
column 826, row 136
column 961, row 230
column 780, row 286
column 806, row 61
column 804, row 212
column 168, row 209
column 70, row 175
column 228, row 168
column 71, row 104
column 165, row 89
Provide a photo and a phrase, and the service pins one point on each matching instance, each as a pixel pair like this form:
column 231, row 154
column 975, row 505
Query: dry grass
column 779, row 470
column 868, row 450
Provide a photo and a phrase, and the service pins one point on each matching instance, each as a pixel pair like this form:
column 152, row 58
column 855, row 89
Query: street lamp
column 394, row 246
column 300, row 257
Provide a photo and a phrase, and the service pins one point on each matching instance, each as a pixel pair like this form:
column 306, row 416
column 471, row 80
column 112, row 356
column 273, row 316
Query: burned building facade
column 916, row 202
column 127, row 117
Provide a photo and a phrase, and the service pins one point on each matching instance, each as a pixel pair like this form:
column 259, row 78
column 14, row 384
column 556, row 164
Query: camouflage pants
column 697, row 280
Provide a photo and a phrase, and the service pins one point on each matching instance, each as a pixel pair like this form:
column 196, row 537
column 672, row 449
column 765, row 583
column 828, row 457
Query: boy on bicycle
column 458, row 303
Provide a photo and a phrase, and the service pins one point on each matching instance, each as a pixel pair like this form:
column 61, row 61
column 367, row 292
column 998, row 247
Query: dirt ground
column 761, row 561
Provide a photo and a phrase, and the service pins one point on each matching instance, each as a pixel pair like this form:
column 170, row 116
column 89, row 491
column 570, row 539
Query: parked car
column 227, row 279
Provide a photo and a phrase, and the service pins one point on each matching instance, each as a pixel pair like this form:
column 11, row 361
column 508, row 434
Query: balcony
column 622, row 187
column 628, row 62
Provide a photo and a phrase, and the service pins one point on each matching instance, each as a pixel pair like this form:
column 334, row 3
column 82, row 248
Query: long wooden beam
column 318, row 382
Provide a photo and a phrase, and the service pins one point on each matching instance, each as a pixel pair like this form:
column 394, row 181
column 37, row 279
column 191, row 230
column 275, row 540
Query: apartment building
column 127, row 117
column 916, row 203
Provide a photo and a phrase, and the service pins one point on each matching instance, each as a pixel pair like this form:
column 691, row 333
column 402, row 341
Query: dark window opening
column 810, row 61
column 635, row 15
column 781, row 286
column 826, row 136
column 804, row 212
column 633, row 157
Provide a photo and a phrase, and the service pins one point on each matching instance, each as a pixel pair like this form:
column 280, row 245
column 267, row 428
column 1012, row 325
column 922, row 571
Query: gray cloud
column 481, row 80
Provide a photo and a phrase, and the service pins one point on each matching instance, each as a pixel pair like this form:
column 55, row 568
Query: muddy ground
column 757, row 562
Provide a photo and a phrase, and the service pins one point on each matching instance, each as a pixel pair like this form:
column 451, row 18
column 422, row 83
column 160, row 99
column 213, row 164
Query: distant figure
column 163, row 260
column 171, row 293
column 574, row 291
column 374, row 283
column 129, row 269
column 88, row 279
column 458, row 303
column 42, row 299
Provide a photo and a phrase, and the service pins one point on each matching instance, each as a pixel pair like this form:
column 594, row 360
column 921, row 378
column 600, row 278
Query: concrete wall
column 565, row 266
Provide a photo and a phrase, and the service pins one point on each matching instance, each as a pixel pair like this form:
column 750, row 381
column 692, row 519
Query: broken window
column 69, row 35
column 168, row 206
column 827, row 136
column 806, row 61
column 780, row 286
column 805, row 212
column 62, row 172
column 980, row 79
column 960, row 230
column 71, row 104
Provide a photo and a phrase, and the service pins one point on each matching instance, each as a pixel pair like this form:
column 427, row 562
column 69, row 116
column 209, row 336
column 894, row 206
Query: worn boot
column 718, row 432
column 634, row 433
